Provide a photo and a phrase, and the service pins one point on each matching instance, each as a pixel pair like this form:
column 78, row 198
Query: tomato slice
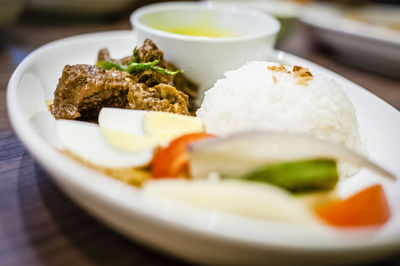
column 367, row 207
column 173, row 160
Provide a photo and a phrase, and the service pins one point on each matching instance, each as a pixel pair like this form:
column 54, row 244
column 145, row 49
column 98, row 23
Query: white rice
column 255, row 97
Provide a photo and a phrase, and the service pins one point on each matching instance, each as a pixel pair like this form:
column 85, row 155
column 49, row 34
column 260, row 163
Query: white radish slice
column 254, row 200
column 86, row 141
column 242, row 152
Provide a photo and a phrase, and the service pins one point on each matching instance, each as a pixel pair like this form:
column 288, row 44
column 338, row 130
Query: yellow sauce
column 202, row 26
column 201, row 31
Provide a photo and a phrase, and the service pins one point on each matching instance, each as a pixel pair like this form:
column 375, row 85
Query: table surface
column 39, row 225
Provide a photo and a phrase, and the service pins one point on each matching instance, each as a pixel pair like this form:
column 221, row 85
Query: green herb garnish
column 135, row 56
column 134, row 67
column 297, row 176
column 107, row 65
column 165, row 71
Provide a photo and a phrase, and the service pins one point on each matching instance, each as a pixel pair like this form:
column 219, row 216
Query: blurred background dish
column 285, row 11
column 360, row 33
column 10, row 10
column 81, row 7
column 367, row 37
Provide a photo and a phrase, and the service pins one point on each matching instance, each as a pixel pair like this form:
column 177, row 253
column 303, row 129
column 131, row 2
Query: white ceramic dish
column 205, row 59
column 195, row 234
column 366, row 45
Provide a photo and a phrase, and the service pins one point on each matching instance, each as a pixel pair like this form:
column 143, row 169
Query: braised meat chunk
column 143, row 81
column 104, row 55
column 161, row 97
column 149, row 52
column 83, row 90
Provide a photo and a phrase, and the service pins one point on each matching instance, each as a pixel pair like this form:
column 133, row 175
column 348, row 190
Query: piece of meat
column 104, row 55
column 152, row 78
column 149, row 52
column 182, row 83
column 189, row 88
column 161, row 97
column 83, row 90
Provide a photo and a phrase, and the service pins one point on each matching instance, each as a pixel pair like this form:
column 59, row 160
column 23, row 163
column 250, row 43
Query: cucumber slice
column 297, row 176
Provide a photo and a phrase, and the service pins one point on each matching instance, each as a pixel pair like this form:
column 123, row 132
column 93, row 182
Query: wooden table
column 39, row 225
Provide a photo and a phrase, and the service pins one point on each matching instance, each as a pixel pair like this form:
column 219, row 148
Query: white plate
column 192, row 233
column 366, row 44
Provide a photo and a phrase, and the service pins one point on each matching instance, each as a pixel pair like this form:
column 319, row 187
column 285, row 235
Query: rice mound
column 269, row 96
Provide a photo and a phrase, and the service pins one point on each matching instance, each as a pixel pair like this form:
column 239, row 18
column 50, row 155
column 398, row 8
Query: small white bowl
column 205, row 59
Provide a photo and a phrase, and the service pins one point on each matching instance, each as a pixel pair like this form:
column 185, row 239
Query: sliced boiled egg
column 124, row 138
column 136, row 130
column 86, row 140
column 168, row 126
column 128, row 142
column 123, row 129
column 122, row 120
